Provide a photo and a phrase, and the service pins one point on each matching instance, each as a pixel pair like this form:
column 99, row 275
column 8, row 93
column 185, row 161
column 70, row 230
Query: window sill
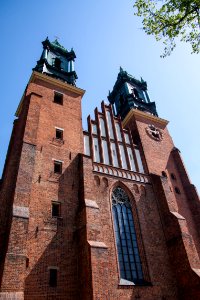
column 54, row 177
column 124, row 282
column 57, row 142
column 52, row 223
column 127, row 283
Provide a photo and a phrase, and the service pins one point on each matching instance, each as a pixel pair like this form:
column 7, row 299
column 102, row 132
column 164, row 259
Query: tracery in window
column 127, row 246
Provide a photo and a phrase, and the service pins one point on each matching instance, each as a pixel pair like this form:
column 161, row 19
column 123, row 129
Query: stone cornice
column 138, row 114
column 37, row 75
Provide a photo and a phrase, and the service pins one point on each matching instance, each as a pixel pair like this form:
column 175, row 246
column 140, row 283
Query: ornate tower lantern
column 129, row 93
column 57, row 62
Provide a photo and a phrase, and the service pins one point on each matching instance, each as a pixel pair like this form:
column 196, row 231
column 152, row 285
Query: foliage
column 171, row 19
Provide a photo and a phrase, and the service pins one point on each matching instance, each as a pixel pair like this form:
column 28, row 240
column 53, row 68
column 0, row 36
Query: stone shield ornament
column 154, row 132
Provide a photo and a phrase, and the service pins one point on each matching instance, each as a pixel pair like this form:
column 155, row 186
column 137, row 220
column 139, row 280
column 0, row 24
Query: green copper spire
column 58, row 45
column 57, row 62
column 129, row 93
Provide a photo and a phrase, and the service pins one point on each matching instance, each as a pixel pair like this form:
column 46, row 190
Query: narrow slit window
column 57, row 167
column 105, row 152
column 53, row 274
column 114, row 155
column 123, row 157
column 177, row 190
column 131, row 159
column 56, row 209
column 173, row 176
column 110, row 128
column 118, row 130
column 58, row 98
column 59, row 134
column 139, row 161
column 127, row 140
column 86, row 145
column 96, row 150
column 102, row 126
column 94, row 128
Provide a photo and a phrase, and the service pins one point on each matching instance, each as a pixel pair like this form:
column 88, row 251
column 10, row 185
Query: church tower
column 105, row 213
column 57, row 62
column 129, row 93
column 40, row 184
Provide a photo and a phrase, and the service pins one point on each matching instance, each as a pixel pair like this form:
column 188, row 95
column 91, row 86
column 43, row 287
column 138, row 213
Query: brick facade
column 80, row 244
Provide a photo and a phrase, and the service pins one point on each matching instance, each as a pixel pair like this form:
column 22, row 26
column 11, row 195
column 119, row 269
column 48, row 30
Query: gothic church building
column 103, row 214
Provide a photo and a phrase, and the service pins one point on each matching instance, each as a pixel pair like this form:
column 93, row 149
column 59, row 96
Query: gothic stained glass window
column 127, row 246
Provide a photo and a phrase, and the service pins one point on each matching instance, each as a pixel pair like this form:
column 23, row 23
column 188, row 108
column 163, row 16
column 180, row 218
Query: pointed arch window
column 126, row 240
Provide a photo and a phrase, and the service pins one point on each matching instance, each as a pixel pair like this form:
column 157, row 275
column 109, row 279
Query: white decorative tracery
column 119, row 197
column 154, row 132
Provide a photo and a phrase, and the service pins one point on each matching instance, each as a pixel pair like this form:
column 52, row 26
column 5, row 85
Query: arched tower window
column 57, row 63
column 126, row 240
column 136, row 92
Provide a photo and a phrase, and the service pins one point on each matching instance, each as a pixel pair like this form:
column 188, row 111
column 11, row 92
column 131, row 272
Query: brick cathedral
column 103, row 214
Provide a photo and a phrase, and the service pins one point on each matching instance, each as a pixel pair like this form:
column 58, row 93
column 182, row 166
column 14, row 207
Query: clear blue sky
column 105, row 35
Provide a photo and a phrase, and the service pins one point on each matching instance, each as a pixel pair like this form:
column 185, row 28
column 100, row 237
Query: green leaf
column 169, row 20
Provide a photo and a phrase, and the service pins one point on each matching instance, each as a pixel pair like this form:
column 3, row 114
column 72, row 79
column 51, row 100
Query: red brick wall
column 163, row 156
column 103, row 253
column 81, row 244
column 9, row 181
column 39, row 241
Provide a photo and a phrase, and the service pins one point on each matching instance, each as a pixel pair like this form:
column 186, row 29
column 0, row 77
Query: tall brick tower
column 40, row 183
column 108, row 213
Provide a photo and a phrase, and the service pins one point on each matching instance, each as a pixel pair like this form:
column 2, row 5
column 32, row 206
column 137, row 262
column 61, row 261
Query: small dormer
column 57, row 62
column 129, row 93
